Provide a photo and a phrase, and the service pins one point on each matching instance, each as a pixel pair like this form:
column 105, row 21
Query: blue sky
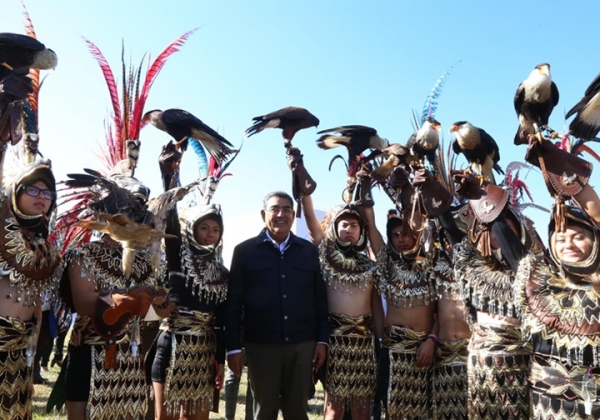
column 348, row 62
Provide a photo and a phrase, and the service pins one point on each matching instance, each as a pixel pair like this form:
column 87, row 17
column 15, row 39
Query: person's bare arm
column 312, row 222
column 590, row 203
column 375, row 238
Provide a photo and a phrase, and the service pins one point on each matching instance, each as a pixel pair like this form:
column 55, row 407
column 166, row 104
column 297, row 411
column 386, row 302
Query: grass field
column 43, row 391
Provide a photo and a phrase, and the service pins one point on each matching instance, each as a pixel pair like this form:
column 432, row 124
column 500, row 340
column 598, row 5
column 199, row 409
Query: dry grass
column 42, row 392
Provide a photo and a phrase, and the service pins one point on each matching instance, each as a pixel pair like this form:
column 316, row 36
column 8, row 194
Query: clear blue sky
column 348, row 62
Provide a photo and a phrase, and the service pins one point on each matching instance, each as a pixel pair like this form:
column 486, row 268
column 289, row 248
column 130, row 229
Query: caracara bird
column 182, row 125
column 425, row 141
column 356, row 138
column 586, row 124
column 18, row 50
column 534, row 101
column 397, row 155
column 290, row 119
column 479, row 148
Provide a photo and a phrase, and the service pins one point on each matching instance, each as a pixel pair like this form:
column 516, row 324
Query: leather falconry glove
column 400, row 182
column 114, row 309
column 302, row 182
column 435, row 199
column 467, row 185
column 363, row 196
column 15, row 87
column 565, row 174
column 486, row 210
column 168, row 161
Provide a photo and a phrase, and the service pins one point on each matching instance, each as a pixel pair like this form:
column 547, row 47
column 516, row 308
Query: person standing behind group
column 275, row 283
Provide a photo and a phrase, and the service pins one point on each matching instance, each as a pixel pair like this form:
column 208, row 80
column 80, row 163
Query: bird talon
column 6, row 66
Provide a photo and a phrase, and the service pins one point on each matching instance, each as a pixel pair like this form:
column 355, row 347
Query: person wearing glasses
column 275, row 285
column 30, row 267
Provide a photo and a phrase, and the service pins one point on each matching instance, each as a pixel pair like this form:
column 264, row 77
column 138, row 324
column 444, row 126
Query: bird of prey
column 356, row 138
column 18, row 50
column 132, row 236
column 425, row 141
column 534, row 101
column 290, row 119
column 586, row 124
column 479, row 148
column 182, row 125
column 397, row 155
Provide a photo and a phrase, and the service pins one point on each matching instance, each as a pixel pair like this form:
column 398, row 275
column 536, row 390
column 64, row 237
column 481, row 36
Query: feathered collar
column 343, row 269
column 405, row 283
column 557, row 308
column 31, row 264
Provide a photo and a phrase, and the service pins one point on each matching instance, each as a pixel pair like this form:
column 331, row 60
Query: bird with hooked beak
column 18, row 50
column 534, row 101
column 290, row 119
column 425, row 141
column 479, row 148
column 182, row 126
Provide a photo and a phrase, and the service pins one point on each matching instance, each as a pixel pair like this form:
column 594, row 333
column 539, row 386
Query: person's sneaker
column 39, row 381
column 44, row 368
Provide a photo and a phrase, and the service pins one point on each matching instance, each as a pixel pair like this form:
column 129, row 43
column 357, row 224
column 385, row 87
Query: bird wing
column 590, row 92
column 216, row 145
column 411, row 140
column 519, row 98
column 456, row 147
column 12, row 40
column 351, row 130
column 289, row 113
column 554, row 94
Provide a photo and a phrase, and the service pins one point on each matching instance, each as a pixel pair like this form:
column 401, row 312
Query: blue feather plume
column 201, row 157
column 430, row 106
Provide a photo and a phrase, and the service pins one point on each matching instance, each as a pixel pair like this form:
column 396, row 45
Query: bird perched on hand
column 586, row 124
column 18, row 50
column 182, row 125
column 397, row 155
column 534, row 101
column 425, row 141
column 290, row 119
column 479, row 148
column 356, row 138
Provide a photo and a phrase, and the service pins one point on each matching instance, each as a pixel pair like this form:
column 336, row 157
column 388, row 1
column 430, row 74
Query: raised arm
column 303, row 187
column 589, row 202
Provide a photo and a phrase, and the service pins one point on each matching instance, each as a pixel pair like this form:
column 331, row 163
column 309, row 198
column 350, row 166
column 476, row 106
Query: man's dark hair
column 280, row 194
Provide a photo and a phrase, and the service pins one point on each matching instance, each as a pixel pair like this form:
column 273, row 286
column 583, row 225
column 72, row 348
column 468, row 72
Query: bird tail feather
column 329, row 142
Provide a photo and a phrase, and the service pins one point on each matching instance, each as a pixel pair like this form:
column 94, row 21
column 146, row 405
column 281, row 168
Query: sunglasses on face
column 34, row 191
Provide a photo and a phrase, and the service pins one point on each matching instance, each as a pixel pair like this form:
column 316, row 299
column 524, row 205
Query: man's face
column 402, row 242
column 348, row 230
column 278, row 217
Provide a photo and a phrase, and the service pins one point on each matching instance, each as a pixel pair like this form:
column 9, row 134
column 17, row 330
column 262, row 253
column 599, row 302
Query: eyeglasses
column 34, row 191
column 284, row 210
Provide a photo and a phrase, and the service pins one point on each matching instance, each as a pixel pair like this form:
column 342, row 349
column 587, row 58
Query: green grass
column 42, row 392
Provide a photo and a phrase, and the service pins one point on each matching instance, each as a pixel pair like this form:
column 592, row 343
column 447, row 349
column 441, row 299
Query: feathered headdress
column 121, row 151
